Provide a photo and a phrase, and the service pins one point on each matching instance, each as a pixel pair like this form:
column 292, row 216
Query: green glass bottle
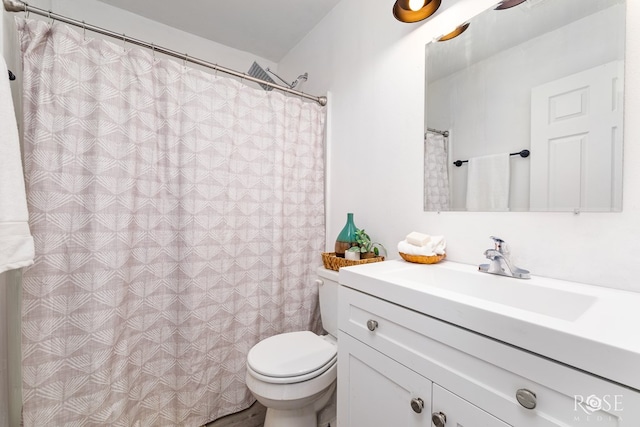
column 347, row 237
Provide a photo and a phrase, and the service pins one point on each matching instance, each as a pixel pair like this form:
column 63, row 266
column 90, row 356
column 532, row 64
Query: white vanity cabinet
column 449, row 409
column 401, row 367
column 378, row 391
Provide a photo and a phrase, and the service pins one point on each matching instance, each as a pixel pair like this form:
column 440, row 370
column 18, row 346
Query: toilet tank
column 328, row 292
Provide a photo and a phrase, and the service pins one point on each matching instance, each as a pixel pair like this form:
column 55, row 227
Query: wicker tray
column 422, row 259
column 332, row 262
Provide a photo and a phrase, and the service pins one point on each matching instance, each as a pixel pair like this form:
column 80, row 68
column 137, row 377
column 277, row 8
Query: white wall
column 4, row 384
column 374, row 68
column 488, row 105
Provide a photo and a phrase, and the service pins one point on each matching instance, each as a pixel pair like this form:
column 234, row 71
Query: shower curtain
column 178, row 218
column 436, row 172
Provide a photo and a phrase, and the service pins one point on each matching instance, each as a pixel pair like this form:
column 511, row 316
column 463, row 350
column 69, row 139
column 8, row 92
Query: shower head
column 261, row 73
column 294, row 83
column 301, row 78
column 258, row 72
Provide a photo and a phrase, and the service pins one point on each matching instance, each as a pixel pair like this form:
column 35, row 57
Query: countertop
column 588, row 327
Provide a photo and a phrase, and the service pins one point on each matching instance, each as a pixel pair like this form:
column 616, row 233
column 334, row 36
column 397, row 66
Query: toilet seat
column 292, row 380
column 291, row 357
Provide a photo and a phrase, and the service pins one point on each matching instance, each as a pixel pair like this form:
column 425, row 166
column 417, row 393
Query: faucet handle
column 500, row 245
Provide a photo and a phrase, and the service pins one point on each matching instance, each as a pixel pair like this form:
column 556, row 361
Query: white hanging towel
column 488, row 183
column 16, row 242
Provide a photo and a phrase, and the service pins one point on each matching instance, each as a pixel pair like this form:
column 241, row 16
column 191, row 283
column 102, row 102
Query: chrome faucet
column 500, row 262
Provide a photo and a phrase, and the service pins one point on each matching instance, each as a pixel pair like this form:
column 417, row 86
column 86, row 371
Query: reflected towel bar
column 523, row 153
column 444, row 133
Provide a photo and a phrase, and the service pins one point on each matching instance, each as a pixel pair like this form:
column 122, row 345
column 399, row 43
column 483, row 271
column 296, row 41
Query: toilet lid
column 291, row 354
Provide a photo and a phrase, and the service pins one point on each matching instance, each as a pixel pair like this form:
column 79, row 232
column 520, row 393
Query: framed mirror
column 528, row 103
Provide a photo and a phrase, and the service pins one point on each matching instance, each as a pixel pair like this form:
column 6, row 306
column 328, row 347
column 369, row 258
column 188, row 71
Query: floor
column 254, row 417
column 251, row 417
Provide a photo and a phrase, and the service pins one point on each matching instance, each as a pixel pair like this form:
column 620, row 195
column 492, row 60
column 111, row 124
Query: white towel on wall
column 16, row 243
column 488, row 183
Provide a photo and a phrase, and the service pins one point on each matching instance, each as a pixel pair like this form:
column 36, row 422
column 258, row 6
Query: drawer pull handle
column 526, row 398
column 372, row 325
column 438, row 419
column 417, row 405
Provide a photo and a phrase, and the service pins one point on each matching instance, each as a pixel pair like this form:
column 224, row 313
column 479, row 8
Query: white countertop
column 588, row 327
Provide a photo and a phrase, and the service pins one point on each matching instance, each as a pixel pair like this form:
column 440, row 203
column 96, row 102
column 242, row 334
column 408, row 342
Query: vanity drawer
column 487, row 373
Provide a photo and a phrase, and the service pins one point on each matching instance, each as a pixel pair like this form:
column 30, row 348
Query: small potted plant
column 366, row 247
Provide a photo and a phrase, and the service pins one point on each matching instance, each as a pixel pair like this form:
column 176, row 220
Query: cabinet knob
column 417, row 405
column 439, row 419
column 526, row 398
column 372, row 325
column 319, row 282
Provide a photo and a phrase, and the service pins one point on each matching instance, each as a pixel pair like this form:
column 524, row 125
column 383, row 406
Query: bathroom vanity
column 446, row 345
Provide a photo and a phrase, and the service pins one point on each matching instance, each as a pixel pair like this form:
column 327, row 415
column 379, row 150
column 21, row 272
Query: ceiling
column 267, row 28
column 493, row 31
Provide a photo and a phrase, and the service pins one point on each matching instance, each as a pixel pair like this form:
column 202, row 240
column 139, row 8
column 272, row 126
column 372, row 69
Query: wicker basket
column 332, row 262
column 422, row 259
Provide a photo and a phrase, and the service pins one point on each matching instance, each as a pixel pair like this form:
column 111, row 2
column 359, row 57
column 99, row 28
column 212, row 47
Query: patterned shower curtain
column 436, row 172
column 178, row 219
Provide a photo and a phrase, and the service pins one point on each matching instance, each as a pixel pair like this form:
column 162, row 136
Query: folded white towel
column 16, row 243
column 436, row 246
column 418, row 239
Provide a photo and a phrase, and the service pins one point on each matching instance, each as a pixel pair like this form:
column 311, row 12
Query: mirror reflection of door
column 576, row 135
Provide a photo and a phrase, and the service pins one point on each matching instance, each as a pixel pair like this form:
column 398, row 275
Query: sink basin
column 580, row 325
column 503, row 290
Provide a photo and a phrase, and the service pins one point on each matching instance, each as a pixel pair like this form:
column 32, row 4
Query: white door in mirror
column 576, row 141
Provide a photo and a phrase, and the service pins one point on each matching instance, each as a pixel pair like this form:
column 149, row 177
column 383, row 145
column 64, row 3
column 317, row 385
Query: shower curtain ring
column 185, row 59
column 153, row 51
column 84, row 31
column 124, row 42
column 26, row 9
column 49, row 15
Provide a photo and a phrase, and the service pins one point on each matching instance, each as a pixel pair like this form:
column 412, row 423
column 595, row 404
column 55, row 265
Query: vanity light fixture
column 506, row 4
column 414, row 10
column 455, row 33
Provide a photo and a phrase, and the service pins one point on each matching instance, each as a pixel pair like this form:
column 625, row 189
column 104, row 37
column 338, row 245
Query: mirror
column 544, row 78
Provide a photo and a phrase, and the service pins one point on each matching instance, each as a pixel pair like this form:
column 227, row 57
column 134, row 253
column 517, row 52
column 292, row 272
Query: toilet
column 294, row 374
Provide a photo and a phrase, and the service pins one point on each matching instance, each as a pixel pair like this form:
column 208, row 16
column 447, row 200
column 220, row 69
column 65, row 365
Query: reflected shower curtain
column 178, row 219
column 436, row 172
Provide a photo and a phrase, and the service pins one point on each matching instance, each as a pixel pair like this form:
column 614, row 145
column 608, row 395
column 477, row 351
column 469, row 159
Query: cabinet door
column 459, row 413
column 376, row 391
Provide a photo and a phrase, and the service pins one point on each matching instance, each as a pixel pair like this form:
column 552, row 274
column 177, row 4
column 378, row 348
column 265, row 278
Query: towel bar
column 523, row 153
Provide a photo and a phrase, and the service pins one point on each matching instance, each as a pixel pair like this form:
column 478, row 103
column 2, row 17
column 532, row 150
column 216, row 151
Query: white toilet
column 294, row 374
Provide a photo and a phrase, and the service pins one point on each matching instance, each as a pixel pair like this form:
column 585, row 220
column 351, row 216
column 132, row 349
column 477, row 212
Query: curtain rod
column 18, row 6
